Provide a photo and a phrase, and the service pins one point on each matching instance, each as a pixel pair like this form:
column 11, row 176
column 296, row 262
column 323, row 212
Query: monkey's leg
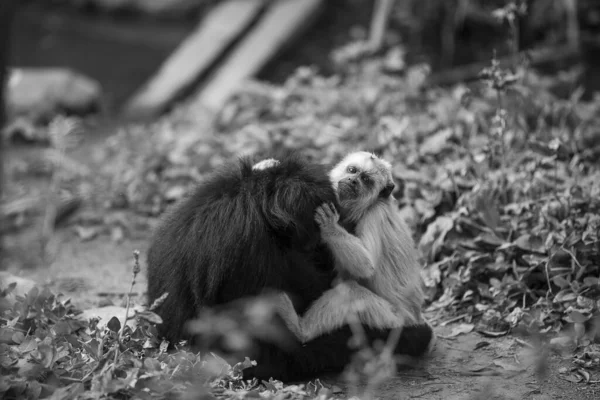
column 348, row 250
column 285, row 308
column 348, row 300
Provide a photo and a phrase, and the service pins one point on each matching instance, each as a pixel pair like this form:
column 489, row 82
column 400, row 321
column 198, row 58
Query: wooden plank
column 217, row 30
column 379, row 23
column 282, row 22
column 8, row 9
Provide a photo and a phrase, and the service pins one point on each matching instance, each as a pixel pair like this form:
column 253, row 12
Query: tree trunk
column 7, row 12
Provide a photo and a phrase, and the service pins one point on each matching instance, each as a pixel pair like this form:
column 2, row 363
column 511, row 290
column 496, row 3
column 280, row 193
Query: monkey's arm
column 348, row 251
column 285, row 308
column 345, row 303
column 372, row 228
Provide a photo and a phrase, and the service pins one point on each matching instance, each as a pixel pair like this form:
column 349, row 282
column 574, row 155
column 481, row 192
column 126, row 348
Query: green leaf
column 336, row 389
column 565, row 295
column 30, row 370
column 32, row 294
column 11, row 287
column 68, row 392
column 7, row 361
column 18, row 337
column 531, row 243
column 461, row 329
column 560, row 282
column 269, row 386
column 151, row 364
column 91, row 348
column 28, row 345
column 577, row 317
column 149, row 316
column 6, row 335
column 62, row 328
column 114, row 324
column 46, row 353
column 589, row 281
column 34, row 389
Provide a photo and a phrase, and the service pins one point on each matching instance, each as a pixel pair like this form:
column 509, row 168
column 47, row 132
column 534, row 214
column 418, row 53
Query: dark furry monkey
column 240, row 233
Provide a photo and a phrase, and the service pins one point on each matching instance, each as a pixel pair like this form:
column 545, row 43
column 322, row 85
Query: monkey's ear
column 387, row 190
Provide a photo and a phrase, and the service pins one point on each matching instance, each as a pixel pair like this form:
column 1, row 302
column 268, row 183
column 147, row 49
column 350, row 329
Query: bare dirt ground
column 471, row 366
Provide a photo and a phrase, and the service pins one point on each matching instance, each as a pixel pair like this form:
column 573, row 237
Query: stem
column 502, row 130
column 136, row 270
column 503, row 123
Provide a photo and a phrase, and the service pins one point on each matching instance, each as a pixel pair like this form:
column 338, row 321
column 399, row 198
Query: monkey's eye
column 365, row 178
column 351, row 170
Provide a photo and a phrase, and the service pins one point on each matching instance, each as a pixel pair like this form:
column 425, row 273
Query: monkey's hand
column 349, row 252
column 327, row 218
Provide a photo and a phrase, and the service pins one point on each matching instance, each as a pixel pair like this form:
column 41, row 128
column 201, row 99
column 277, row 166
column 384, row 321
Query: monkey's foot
column 264, row 164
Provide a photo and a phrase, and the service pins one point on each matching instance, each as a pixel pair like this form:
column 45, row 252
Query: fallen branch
column 282, row 22
column 379, row 23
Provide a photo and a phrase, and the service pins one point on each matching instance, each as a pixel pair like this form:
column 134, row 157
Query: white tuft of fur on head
column 264, row 164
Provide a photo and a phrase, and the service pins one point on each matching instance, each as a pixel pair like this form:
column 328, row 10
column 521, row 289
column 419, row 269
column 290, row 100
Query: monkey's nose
column 353, row 181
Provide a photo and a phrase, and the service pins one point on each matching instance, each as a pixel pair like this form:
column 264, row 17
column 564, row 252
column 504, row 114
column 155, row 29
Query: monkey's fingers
column 320, row 216
column 333, row 211
column 328, row 213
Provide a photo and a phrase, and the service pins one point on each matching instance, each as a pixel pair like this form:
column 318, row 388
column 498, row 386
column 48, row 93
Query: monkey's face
column 360, row 180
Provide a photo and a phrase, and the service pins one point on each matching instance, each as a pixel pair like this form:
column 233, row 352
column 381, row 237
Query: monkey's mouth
column 347, row 191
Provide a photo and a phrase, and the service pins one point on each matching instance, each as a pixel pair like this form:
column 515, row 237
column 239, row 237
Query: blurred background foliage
column 442, row 33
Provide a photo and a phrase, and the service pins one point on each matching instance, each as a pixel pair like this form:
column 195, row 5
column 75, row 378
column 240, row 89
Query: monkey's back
column 238, row 233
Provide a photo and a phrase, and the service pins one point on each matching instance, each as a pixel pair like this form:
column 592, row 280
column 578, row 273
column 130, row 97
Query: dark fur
column 242, row 233
column 280, row 355
column 239, row 233
column 330, row 353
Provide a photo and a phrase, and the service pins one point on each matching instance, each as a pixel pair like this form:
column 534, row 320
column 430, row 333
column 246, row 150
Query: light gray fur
column 348, row 250
column 382, row 256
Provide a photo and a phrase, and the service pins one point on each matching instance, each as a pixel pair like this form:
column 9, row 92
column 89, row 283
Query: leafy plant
column 48, row 351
